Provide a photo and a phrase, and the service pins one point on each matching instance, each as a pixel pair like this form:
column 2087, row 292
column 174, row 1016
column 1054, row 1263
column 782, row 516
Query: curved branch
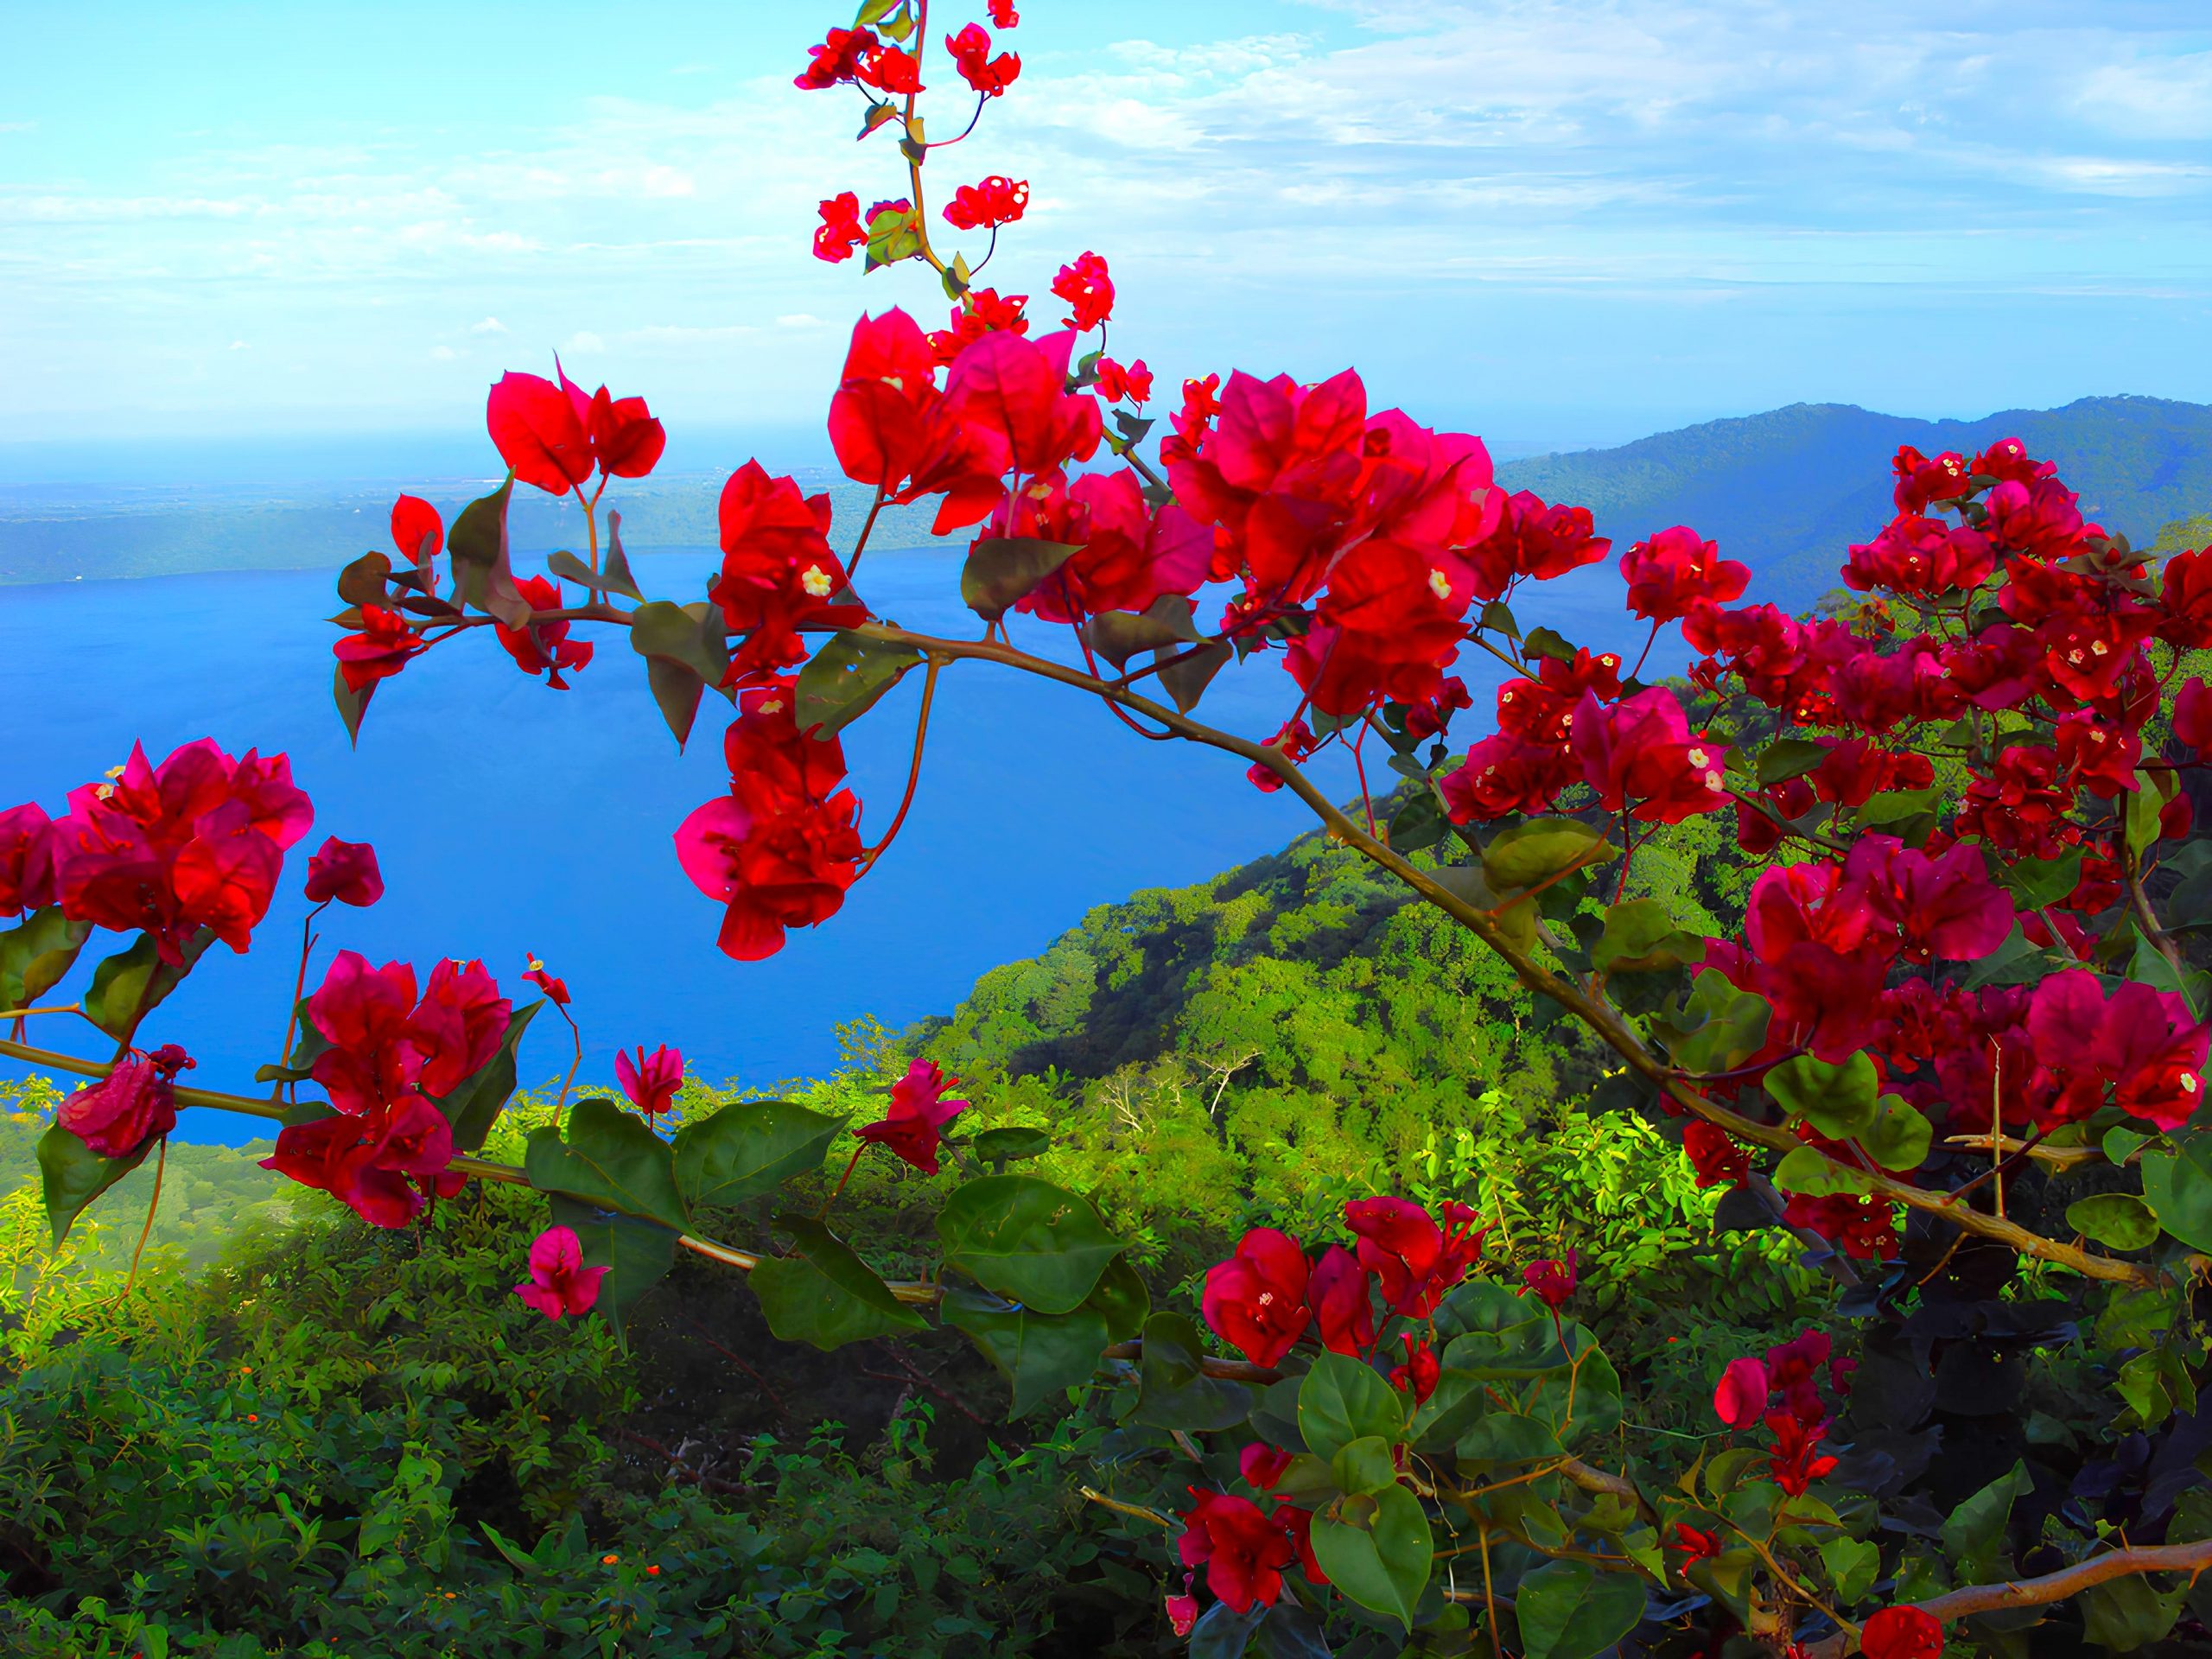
column 1601, row 1018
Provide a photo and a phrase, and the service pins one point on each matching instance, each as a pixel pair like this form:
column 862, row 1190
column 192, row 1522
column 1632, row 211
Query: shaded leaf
column 1383, row 1564
column 130, row 984
column 848, row 675
column 1002, row 570
column 637, row 1254
column 1185, row 681
column 2120, row 1221
column 826, row 1295
column 1163, row 625
column 1343, row 1399
column 611, row 1158
column 477, row 544
column 1571, row 1610
column 1028, row 1240
column 72, row 1175
column 1174, row 1390
column 750, row 1149
column 37, row 954
column 1041, row 1354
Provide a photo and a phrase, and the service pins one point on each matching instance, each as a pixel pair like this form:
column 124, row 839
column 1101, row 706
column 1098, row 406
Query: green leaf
column 37, row 954
column 476, row 1101
column 2177, row 1185
column 1570, row 1610
column 1041, row 1354
column 1383, row 1564
column 477, row 544
column 1508, row 1436
column 131, row 984
column 1343, row 1399
column 363, row 582
column 826, row 1295
column 848, row 675
column 2015, row 961
column 610, row 1158
column 688, row 635
column 1498, row 617
column 637, row 1254
column 1852, row 1564
column 2035, row 882
column 1838, row 1100
column 2120, row 1221
column 1030, row 1240
column 1976, row 1529
column 1174, row 1390
column 1002, row 570
column 2122, row 1615
column 1519, row 857
column 1817, row 1176
column 1364, row 1465
column 1224, row 1633
column 1720, row 1027
column 1419, row 823
column 1161, row 626
column 1122, row 1299
column 2144, row 805
column 1896, row 806
column 1185, row 679
column 2120, row 1145
column 894, row 233
column 677, row 692
column 2151, row 966
column 351, row 704
column 1899, row 1137
column 73, row 1175
column 998, row 1148
column 1547, row 642
column 1789, row 757
column 1640, row 935
column 749, row 1149
column 613, row 576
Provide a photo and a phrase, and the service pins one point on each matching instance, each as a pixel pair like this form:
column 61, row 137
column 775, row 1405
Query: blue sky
column 1546, row 222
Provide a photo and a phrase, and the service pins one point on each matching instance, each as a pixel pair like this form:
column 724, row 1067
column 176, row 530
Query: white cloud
column 584, row 340
column 798, row 320
column 442, row 354
column 238, row 345
column 489, row 325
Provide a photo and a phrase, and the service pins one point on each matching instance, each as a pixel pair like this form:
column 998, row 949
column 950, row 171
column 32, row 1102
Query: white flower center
column 1440, row 584
column 815, row 581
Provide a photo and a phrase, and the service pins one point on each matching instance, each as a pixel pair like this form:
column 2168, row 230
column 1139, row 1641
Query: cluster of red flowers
column 135, row 1104
column 555, row 436
column 196, row 843
column 1782, row 1392
column 385, row 1057
column 1268, row 1295
column 777, row 574
column 780, row 848
column 986, row 206
column 1245, row 1549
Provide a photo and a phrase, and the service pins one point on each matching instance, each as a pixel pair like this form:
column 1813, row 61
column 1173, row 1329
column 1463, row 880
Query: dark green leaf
column 1508, row 1436
column 847, row 675
column 1789, row 757
column 73, row 1175
column 1291, row 1632
column 1172, row 1388
column 475, row 1104
column 1546, row 642
column 1041, row 1354
column 1380, row 1559
column 2034, row 882
column 688, row 634
column 1364, row 1465
column 1344, row 1399
column 637, row 1254
column 477, row 546
column 1570, row 1610
column 676, row 690
column 2177, row 1185
column 130, row 984
column 37, row 954
column 1499, row 620
column 826, row 1295
column 1640, row 935
column 1002, row 570
column 1122, row 1299
column 1975, row 1530
column 1224, row 1633
column 1162, row 626
column 1840, row 1100
column 1185, row 681
column 351, row 704
column 610, row 1158
column 1030, row 1240
column 2126, row 1614
column 362, row 582
column 998, row 1148
column 2120, row 1221
column 1720, row 1027
column 1419, row 823
column 749, row 1149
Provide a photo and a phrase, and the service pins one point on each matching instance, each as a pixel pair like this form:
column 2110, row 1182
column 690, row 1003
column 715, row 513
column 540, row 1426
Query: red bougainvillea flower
column 1902, row 1633
column 1117, row 385
column 1553, row 1281
column 840, row 230
column 197, row 843
column 1131, row 553
column 987, row 204
column 1432, row 717
column 345, row 871
column 626, row 440
column 650, row 1082
column 1796, row 1461
column 1089, row 290
column 892, row 428
column 919, row 1111
column 1339, row 1290
column 891, row 69
column 2142, row 1042
column 777, row 573
column 543, row 647
column 384, row 646
column 458, row 1024
column 1923, row 557
column 971, row 55
column 556, row 990
column 1003, row 16
column 26, row 859
column 1262, row 1465
column 1696, row 1545
column 1014, row 389
column 1714, row 1154
column 133, row 1104
column 1673, row 570
column 1414, row 1259
column 417, row 530
column 2193, row 714
column 1182, row 1613
column 1420, row 1374
column 1255, row 1301
column 981, row 311
column 838, row 60
column 1921, row 481
column 1740, row 1399
column 1639, row 754
column 1242, row 1549
column 538, row 428
column 559, row 1283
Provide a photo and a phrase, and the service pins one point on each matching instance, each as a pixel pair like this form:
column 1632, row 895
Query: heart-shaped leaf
column 749, row 1149
column 1030, row 1240
column 609, row 1158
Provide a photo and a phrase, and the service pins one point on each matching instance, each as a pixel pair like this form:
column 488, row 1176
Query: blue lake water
column 510, row 819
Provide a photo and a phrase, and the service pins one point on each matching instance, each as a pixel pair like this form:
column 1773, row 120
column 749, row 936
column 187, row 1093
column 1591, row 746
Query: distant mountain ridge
column 1788, row 491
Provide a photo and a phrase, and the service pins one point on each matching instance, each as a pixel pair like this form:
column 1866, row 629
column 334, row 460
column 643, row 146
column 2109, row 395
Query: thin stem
column 299, row 990
column 160, row 1163
column 860, row 547
column 25, row 1013
column 561, row 1107
column 1137, row 1512
column 851, row 1163
column 913, row 769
